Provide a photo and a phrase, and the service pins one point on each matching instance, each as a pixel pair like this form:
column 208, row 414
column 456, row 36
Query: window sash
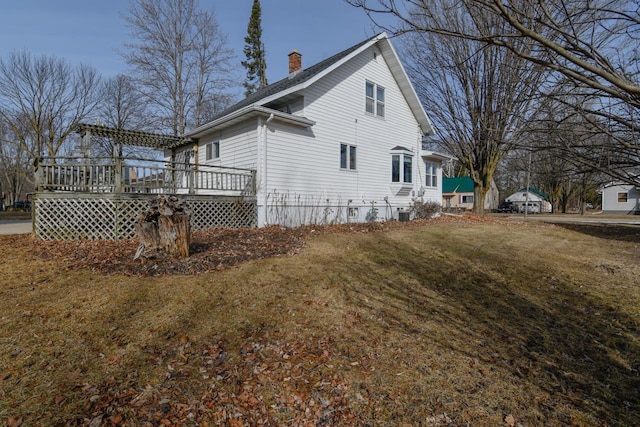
column 347, row 156
column 431, row 174
column 380, row 101
column 370, row 99
column 395, row 168
column 352, row 157
column 407, row 169
column 374, row 99
column 623, row 197
column 212, row 150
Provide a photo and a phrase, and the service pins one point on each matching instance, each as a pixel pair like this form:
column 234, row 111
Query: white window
column 431, row 173
column 374, row 99
column 347, row 156
column 212, row 150
column 466, row 199
column 401, row 168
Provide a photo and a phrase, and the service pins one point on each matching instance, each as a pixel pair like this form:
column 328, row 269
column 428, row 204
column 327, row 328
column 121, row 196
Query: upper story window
column 212, row 150
column 347, row 156
column 431, row 173
column 374, row 99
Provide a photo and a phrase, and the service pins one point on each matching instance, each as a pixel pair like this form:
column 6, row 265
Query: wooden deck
column 101, row 198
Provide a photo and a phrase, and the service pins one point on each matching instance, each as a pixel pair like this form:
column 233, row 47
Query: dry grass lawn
column 483, row 323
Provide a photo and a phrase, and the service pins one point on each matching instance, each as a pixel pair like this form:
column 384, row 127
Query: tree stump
column 164, row 228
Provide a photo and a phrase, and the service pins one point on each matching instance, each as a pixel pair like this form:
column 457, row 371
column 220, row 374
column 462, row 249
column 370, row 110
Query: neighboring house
column 339, row 141
column 457, row 194
column 535, row 198
column 621, row 198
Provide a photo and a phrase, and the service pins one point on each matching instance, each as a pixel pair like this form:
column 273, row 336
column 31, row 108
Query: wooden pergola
column 86, row 197
column 131, row 137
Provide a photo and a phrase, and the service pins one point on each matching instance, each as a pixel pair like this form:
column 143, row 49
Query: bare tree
column 180, row 59
column 15, row 167
column 591, row 46
column 42, row 99
column 479, row 97
column 122, row 107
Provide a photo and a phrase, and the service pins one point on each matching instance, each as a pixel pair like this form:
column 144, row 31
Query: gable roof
column 458, row 184
column 304, row 78
column 534, row 191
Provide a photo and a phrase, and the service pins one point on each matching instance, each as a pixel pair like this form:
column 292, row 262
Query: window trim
column 432, row 175
column 373, row 102
column 348, row 157
column 626, row 197
column 210, row 153
column 400, row 156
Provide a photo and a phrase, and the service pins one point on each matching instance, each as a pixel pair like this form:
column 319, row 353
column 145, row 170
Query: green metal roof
column 534, row 191
column 458, row 184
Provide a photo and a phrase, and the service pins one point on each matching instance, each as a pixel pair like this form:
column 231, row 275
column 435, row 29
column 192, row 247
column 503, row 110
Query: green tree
column 255, row 64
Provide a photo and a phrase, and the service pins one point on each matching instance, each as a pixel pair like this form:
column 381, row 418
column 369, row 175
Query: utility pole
column 526, row 194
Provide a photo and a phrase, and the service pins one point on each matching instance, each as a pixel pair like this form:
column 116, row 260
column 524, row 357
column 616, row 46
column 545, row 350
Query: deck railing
column 135, row 175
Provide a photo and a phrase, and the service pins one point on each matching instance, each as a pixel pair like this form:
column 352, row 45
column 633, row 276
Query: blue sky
column 94, row 31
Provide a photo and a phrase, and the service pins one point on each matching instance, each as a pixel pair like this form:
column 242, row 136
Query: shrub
column 424, row 210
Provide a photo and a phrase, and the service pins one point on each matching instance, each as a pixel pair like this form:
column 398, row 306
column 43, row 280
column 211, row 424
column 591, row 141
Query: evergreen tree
column 255, row 64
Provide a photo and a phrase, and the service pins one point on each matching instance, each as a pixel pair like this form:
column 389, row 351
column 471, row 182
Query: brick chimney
column 295, row 62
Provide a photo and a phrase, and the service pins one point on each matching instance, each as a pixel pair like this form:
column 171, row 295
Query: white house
column 620, row 198
column 532, row 196
column 338, row 141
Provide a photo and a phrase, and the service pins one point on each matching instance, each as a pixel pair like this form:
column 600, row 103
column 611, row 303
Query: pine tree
column 255, row 64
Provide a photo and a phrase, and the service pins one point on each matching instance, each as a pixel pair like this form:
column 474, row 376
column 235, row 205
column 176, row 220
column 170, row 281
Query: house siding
column 237, row 146
column 298, row 173
column 610, row 202
column 314, row 177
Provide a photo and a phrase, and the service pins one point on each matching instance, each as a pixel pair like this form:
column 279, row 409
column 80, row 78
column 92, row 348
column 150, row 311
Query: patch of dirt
column 211, row 250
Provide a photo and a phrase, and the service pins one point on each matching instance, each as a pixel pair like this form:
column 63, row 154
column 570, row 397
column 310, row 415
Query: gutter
column 243, row 113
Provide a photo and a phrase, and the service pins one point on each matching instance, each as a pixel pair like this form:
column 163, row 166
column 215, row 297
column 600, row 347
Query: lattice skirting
column 63, row 216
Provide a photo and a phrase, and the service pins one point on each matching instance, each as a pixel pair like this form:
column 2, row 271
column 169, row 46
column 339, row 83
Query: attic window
column 374, row 99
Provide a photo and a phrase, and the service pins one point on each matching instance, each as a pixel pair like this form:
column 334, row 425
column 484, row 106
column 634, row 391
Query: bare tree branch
column 180, row 59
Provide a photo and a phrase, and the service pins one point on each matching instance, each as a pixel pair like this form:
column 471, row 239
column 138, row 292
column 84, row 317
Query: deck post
column 117, row 175
column 38, row 174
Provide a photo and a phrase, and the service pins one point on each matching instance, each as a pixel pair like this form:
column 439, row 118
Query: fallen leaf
column 510, row 420
column 12, row 422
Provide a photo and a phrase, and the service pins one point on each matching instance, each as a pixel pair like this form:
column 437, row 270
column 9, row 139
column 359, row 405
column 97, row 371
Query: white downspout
column 265, row 188
column 419, row 165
